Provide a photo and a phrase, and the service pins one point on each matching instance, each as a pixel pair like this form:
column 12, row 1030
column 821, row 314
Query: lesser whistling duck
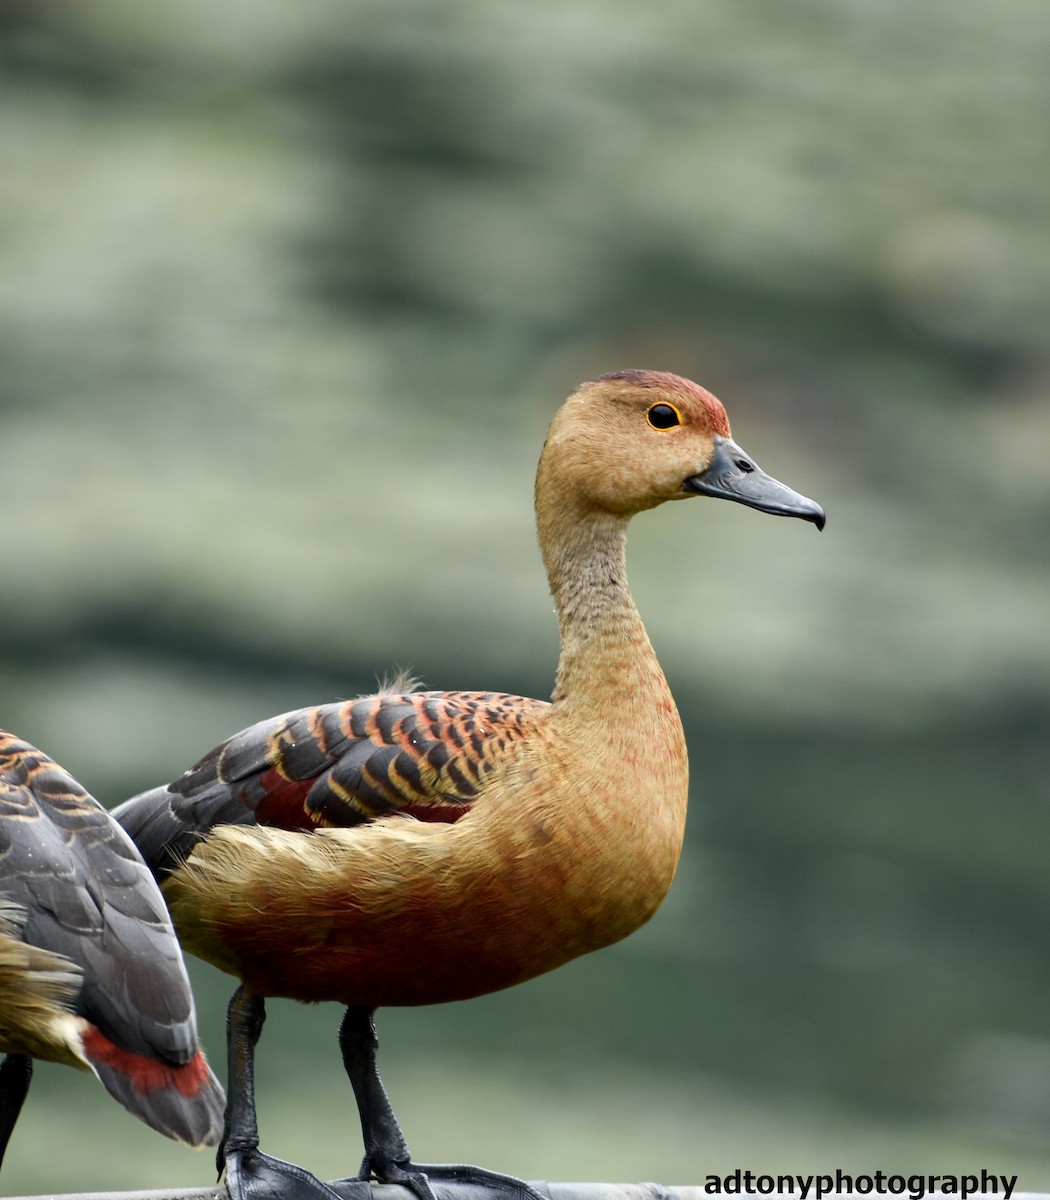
column 91, row 974
column 413, row 847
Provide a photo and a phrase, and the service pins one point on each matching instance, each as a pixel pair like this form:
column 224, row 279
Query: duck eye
column 663, row 416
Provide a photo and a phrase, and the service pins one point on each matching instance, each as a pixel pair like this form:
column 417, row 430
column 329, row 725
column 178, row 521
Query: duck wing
column 422, row 755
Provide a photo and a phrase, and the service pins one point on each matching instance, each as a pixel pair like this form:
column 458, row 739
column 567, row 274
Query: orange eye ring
column 663, row 416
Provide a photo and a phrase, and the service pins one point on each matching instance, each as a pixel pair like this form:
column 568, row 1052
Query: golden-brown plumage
column 38, row 994
column 420, row 847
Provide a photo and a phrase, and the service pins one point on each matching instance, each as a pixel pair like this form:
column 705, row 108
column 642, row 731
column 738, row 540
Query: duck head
column 632, row 440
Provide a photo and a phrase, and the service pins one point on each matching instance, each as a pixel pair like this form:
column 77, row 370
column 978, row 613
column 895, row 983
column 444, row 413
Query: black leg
column 387, row 1156
column 251, row 1174
column 16, row 1074
column 386, row 1151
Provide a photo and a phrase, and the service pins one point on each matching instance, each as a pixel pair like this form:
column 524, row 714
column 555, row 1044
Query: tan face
column 629, row 441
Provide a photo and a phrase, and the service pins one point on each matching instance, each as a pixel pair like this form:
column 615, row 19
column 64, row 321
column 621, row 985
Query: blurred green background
column 288, row 294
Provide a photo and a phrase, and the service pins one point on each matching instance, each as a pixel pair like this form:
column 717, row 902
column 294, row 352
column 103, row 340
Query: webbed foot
column 253, row 1175
column 451, row 1181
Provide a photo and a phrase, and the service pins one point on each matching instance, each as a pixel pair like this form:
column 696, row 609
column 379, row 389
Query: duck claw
column 253, row 1175
column 489, row 1182
column 450, row 1181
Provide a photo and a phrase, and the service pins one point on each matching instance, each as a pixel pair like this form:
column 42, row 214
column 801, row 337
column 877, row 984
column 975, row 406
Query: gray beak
column 734, row 475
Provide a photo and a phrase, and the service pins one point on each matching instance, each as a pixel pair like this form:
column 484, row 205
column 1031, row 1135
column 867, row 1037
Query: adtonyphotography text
column 877, row 1183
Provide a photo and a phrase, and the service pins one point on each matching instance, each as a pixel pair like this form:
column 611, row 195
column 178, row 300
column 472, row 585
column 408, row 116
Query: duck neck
column 607, row 662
